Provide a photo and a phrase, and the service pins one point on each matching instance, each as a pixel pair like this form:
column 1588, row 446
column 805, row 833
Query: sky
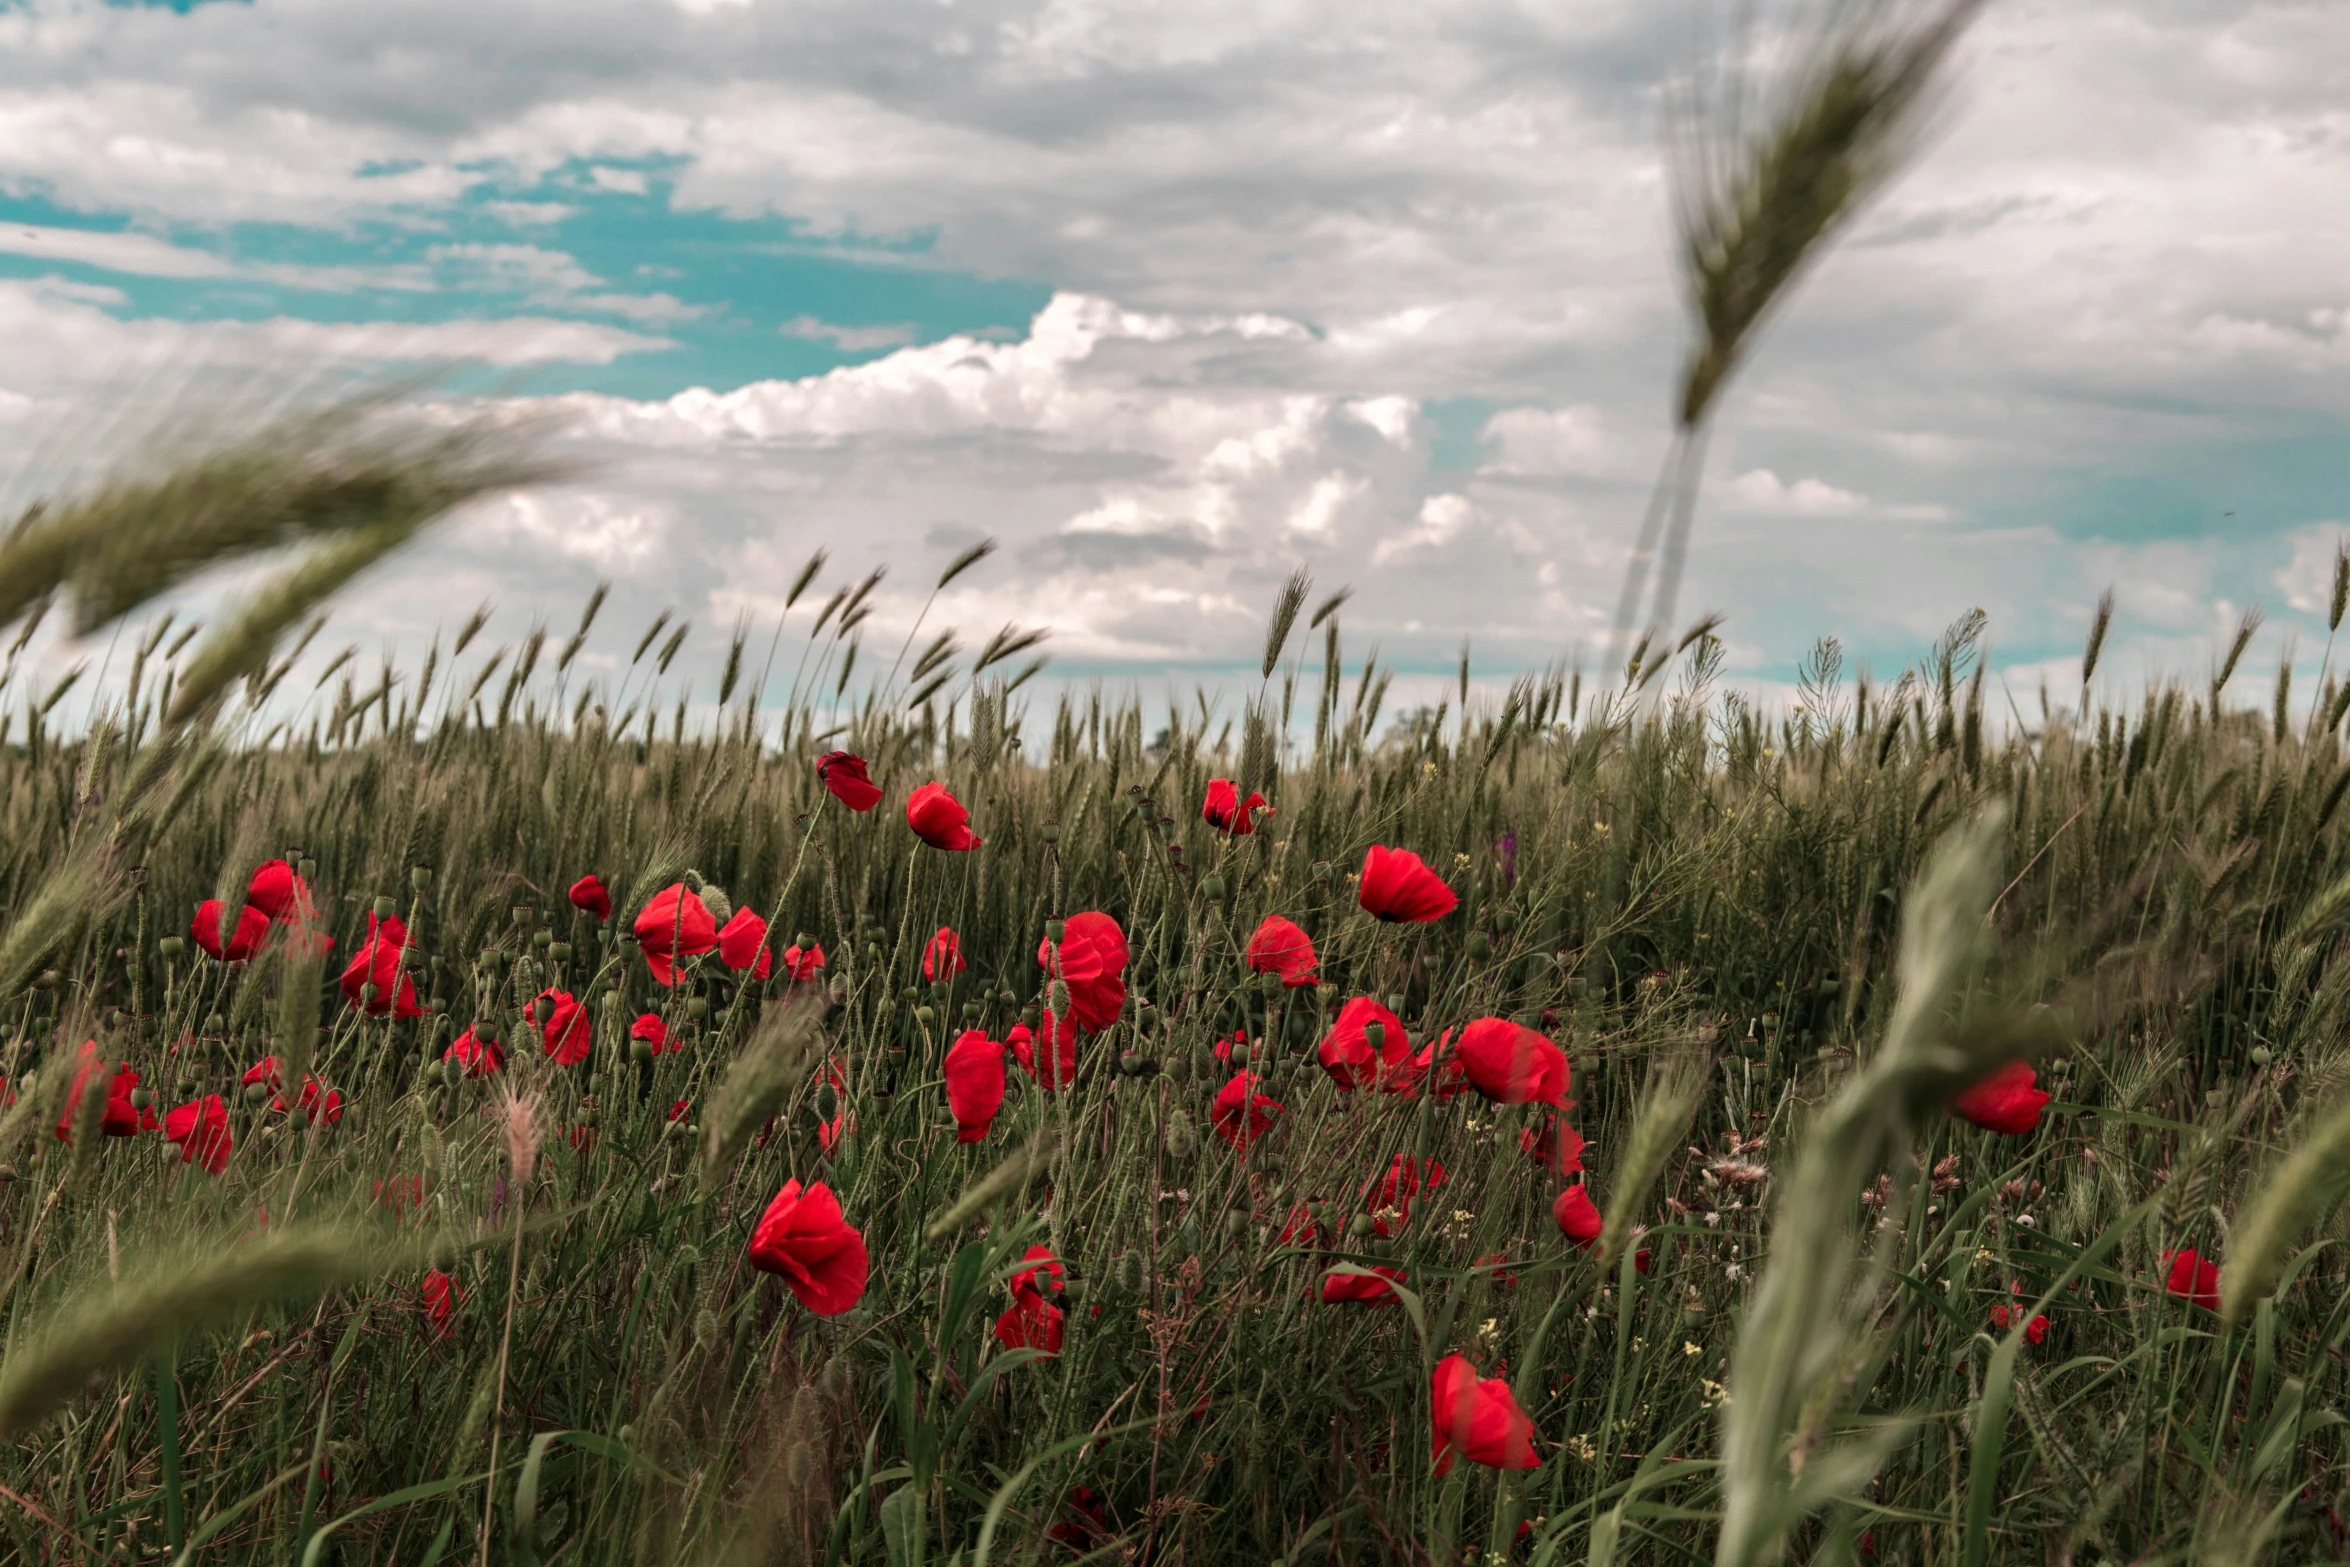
column 1173, row 300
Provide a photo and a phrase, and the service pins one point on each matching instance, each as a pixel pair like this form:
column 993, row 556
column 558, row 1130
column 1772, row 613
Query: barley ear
column 1286, row 605
column 2098, row 626
column 2305, row 1187
column 769, row 1070
column 1014, row 1172
column 1675, row 1083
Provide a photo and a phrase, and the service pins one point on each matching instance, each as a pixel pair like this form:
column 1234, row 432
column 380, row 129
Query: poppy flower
column 1446, row 1082
column 1390, row 1203
column 676, row 925
column 679, row 1109
column 564, row 1024
column 1280, row 947
column 252, row 929
column 818, row 1254
column 975, row 1083
column 1031, row 1322
column 1050, row 1056
column 1511, row 1064
column 649, row 1028
column 313, row 1092
column 201, row 1130
column 1301, row 1230
column 119, row 1117
column 1043, row 1273
column 2004, row 1316
column 1093, row 966
column 580, row 1136
column 280, row 893
column 1227, row 812
column 1347, row 1054
column 1375, row 1288
column 2192, row 1279
column 1398, row 888
column 480, row 1057
column 1578, row 1217
column 400, row 1193
column 2036, row 1329
column 377, row 963
column 2004, row 1102
column 589, row 897
column 1554, row 1145
column 1477, row 1419
column 1242, row 1113
column 803, row 965
column 742, row 942
column 844, row 775
column 938, row 818
column 830, row 1133
column 1089, row 1527
column 441, row 1300
column 942, row 956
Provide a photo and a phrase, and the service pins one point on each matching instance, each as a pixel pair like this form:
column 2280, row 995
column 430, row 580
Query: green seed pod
column 1182, row 1141
column 1130, row 1275
column 309, row 869
column 420, row 877
column 970, row 1011
column 141, row 1099
column 926, row 1015
column 1505, row 920
column 1479, row 946
column 2261, row 1055
column 1241, row 1056
column 559, row 951
column 1056, row 931
column 368, row 991
column 385, row 907
column 1178, row 1068
column 1375, row 1034
column 172, row 946
column 697, row 1007
column 1213, row 887
column 452, row 1071
column 640, row 1050
column 1052, row 832
column 1236, row 1224
column 1360, row 1227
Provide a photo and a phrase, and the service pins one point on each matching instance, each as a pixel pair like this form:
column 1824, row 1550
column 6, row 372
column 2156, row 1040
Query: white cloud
column 1764, row 493
column 849, row 339
column 146, row 256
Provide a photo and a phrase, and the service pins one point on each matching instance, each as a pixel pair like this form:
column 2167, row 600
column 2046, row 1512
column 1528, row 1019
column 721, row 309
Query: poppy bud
column 1057, row 997
column 1240, row 1055
column 1213, row 886
column 1506, row 921
column 172, row 946
column 1129, row 1271
column 214, row 1022
column 1178, row 1069
column 1130, row 1063
column 1360, row 1226
column 698, row 1007
column 970, row 1011
column 827, row 1102
column 368, row 991
column 141, row 1099
column 1479, row 946
column 1052, row 832
column 256, row 1092
column 926, row 1015
column 1236, row 1224
column 1182, row 1141
column 676, row 1129
column 2260, row 1055
column 1055, row 931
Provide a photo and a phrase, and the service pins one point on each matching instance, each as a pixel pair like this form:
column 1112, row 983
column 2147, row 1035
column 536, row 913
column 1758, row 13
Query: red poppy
column 1243, row 1113
column 1578, row 1217
column 975, row 1083
column 377, row 963
column 1511, row 1064
column 1045, row 1271
column 1375, row 1288
column 480, row 1057
column 441, row 1300
column 830, row 1133
column 1227, row 812
column 1446, row 1082
column 589, row 897
column 265, row 1071
column 252, row 929
column 819, row 1255
column 942, row 955
column 2036, row 1329
column 1093, row 965
column 580, row 1136
column 742, row 941
column 1032, row 1322
column 844, row 775
column 1391, row 1203
column 676, row 925
column 201, row 1130
column 1346, row 1052
column 119, row 1118
column 279, row 892
column 1301, row 1230
column 679, row 1109
column 400, row 1193
column 1554, row 1145
column 2004, row 1316
column 1397, row 887
column 938, row 818
column 564, row 1024
column 2005, row 1101
column 1051, row 1056
column 1280, row 947
column 1477, row 1419
column 2192, row 1279
column 1088, row 1528
column 649, row 1028
column 803, row 965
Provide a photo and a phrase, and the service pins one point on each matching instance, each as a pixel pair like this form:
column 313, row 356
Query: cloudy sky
column 1172, row 299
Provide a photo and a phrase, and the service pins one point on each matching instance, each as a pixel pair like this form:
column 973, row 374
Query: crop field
column 485, row 1112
